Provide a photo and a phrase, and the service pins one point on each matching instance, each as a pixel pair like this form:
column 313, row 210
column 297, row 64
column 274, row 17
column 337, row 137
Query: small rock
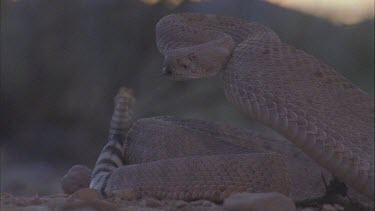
column 86, row 194
column 78, row 177
column 258, row 202
column 328, row 207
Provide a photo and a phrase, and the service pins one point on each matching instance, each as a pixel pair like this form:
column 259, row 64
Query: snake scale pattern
column 323, row 114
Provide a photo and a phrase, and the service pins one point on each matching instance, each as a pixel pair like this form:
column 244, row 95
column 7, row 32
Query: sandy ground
column 89, row 199
column 20, row 182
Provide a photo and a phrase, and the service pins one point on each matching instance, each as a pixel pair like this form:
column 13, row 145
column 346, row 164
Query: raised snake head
column 198, row 61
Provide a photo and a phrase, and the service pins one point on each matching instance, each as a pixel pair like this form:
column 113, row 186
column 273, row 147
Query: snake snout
column 167, row 70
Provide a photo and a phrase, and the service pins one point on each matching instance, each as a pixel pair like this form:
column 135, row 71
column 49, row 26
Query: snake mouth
column 180, row 76
column 184, row 77
column 168, row 72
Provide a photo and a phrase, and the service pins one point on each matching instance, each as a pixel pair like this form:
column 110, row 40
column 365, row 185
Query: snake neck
column 253, row 83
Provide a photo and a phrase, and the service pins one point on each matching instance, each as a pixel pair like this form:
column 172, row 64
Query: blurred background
column 63, row 61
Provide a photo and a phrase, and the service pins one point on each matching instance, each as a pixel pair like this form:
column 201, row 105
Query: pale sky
column 341, row 12
column 346, row 12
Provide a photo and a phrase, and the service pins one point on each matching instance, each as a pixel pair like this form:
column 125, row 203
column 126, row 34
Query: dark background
column 63, row 61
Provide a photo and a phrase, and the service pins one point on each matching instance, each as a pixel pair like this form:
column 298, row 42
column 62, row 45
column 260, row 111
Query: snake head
column 199, row 61
column 182, row 66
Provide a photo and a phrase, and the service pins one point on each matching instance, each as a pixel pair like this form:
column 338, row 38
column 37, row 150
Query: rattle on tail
column 112, row 155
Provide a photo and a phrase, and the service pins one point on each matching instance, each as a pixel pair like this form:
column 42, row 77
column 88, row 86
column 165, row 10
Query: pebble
column 78, row 177
column 258, row 202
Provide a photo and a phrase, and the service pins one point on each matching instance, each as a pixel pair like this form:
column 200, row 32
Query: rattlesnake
column 305, row 100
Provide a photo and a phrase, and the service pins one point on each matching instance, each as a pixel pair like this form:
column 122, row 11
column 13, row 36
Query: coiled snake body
column 308, row 102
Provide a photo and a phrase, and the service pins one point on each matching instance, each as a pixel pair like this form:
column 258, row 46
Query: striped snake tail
column 112, row 155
